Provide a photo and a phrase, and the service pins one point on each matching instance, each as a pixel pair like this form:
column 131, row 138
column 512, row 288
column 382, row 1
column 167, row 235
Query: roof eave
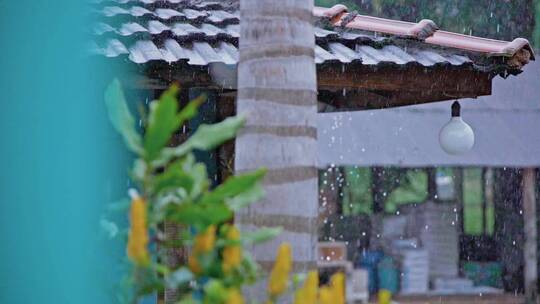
column 516, row 53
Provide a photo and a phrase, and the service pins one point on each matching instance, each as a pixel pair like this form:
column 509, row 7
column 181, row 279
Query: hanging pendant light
column 456, row 137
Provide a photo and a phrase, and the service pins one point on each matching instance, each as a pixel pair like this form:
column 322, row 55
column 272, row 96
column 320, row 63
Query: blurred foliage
column 406, row 186
column 412, row 188
column 497, row 19
column 473, row 196
column 173, row 188
column 399, row 186
column 357, row 196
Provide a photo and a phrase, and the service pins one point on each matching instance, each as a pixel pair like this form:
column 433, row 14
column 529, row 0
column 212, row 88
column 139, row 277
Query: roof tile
column 425, row 30
column 204, row 32
column 128, row 29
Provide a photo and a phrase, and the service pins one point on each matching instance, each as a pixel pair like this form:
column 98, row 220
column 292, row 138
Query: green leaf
column 174, row 177
column 261, row 235
column 298, row 279
column 233, row 186
column 190, row 110
column 188, row 300
column 245, row 198
column 119, row 206
column 179, row 277
column 201, row 215
column 200, row 175
column 109, row 227
column 161, row 269
column 121, row 117
column 162, row 123
column 207, row 137
column 139, row 170
column 215, row 292
column 250, row 269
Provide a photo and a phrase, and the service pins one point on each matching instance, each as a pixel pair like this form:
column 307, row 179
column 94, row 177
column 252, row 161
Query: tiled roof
column 201, row 33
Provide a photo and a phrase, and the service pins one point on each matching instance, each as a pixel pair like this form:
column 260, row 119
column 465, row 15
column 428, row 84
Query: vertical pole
column 529, row 248
column 483, row 201
column 509, row 236
column 489, row 193
column 377, row 190
column 328, row 194
column 341, row 189
column 225, row 159
column 458, row 193
column 432, row 184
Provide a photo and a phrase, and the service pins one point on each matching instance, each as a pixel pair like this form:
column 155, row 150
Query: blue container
column 388, row 275
column 368, row 260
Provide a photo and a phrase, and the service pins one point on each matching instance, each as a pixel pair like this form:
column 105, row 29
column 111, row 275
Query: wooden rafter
column 357, row 87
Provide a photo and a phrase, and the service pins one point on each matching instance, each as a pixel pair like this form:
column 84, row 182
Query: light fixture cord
column 456, row 109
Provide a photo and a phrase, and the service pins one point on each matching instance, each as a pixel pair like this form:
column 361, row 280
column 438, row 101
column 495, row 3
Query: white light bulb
column 456, row 137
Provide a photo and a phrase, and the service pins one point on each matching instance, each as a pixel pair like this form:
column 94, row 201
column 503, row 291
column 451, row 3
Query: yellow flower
column 335, row 293
column 337, row 283
column 279, row 276
column 384, row 296
column 194, row 265
column 204, row 242
column 325, row 295
column 308, row 293
column 232, row 255
column 234, row 297
column 137, row 250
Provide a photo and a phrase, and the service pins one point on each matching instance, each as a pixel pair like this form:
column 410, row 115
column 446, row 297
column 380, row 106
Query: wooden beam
column 361, row 99
column 530, row 246
column 353, row 87
column 212, row 76
column 364, row 89
column 414, row 78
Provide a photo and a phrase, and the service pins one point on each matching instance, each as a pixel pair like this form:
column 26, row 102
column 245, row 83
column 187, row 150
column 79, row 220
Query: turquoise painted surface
column 60, row 161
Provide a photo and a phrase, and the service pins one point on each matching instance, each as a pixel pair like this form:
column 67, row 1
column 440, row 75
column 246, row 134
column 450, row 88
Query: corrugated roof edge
column 518, row 51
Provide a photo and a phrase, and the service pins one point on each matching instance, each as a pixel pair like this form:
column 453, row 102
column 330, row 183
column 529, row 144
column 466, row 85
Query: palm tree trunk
column 277, row 92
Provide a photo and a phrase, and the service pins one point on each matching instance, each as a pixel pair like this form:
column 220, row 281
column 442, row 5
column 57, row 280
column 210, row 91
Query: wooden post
column 509, row 236
column 432, row 184
column 484, row 201
column 377, row 192
column 328, row 195
column 458, row 194
column 341, row 183
column 529, row 248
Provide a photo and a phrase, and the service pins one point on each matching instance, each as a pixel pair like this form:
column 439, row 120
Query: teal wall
column 60, row 161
